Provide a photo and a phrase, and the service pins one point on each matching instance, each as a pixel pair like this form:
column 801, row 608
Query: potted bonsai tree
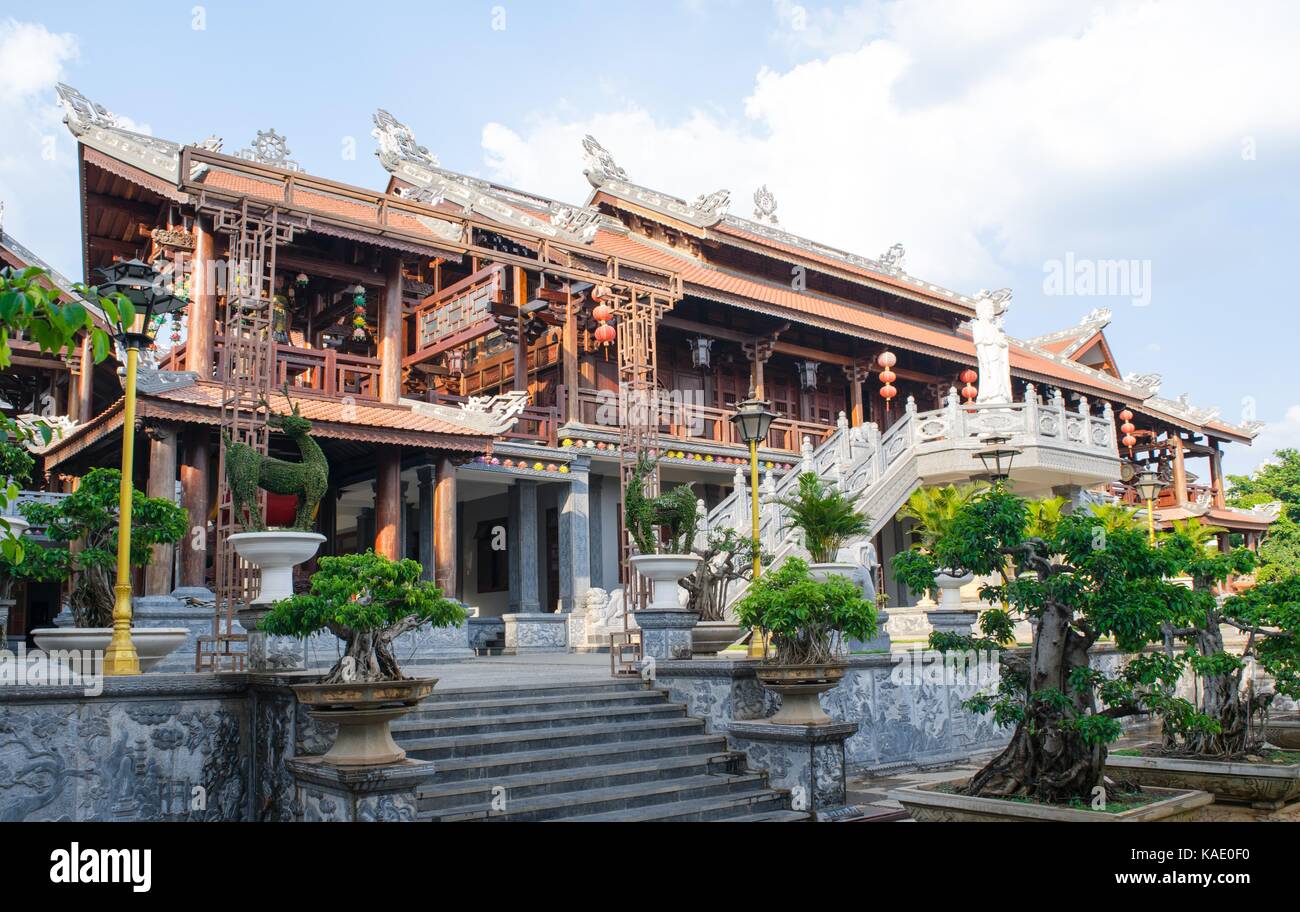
column 663, row 530
column 806, row 622
column 367, row 601
column 1219, row 742
column 725, row 558
column 89, row 517
column 1077, row 583
column 16, row 466
column 934, row 510
column 828, row 520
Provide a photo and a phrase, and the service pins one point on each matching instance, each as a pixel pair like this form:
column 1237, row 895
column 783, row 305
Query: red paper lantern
column 888, row 392
column 1130, row 441
column 887, row 376
column 605, row 334
column 887, row 359
column 969, row 377
column 602, row 312
column 970, row 392
column 1126, row 415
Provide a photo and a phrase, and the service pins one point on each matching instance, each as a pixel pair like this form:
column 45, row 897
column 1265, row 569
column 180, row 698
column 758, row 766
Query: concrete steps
column 599, row 751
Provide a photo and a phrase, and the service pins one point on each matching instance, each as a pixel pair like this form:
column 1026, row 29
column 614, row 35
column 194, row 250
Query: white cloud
column 963, row 130
column 1276, row 435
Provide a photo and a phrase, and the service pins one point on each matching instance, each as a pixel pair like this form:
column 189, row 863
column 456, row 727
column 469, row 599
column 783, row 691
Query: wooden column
column 195, row 469
column 162, row 484
column 388, row 502
column 86, row 382
column 758, row 352
column 856, row 374
column 390, row 333
column 521, row 343
column 1216, row 476
column 1180, row 468
column 201, row 324
column 444, row 531
column 569, row 342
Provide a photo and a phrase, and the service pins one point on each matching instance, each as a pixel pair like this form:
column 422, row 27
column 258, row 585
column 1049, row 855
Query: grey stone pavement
column 524, row 670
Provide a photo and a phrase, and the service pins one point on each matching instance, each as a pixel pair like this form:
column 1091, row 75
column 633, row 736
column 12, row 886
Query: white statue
column 991, row 347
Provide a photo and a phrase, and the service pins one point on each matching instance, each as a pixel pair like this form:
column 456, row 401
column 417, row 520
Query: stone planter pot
column 822, row 572
column 362, row 712
column 152, row 644
column 799, row 687
column 276, row 554
column 711, row 637
column 1265, row 786
column 6, row 605
column 1283, row 733
column 949, row 585
column 17, row 525
column 926, row 804
column 663, row 571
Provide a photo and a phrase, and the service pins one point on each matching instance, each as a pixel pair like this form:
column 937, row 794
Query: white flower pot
column 276, row 554
column 823, row 572
column 152, row 644
column 949, row 586
column 663, row 571
column 17, row 526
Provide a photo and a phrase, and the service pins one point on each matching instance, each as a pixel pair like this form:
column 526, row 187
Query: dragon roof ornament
column 484, row 414
column 95, row 126
column 600, row 164
column 432, row 184
column 892, row 259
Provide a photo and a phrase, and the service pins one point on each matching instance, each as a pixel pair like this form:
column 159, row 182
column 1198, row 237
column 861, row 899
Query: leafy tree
column 1279, row 553
column 825, row 515
column 47, row 564
column 1077, row 583
column 367, row 601
column 89, row 516
column 726, row 557
column 803, row 615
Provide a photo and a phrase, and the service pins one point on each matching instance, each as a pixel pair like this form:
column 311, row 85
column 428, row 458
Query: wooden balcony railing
column 321, row 370
column 700, row 423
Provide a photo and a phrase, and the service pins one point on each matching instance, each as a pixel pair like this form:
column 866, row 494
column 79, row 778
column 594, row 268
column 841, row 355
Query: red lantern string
column 886, row 361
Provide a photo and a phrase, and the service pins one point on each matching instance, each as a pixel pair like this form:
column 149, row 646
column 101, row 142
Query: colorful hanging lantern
column 603, row 313
column 969, row 391
column 605, row 334
column 887, row 377
column 301, row 280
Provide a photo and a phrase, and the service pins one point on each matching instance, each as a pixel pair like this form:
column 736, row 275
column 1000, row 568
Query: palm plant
column 1116, row 518
column 934, row 509
column 826, row 517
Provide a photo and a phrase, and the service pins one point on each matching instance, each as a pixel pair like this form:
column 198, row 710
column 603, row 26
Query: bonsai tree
column 367, row 601
column 89, row 516
column 672, row 515
column 1077, row 582
column 802, row 616
column 726, row 557
column 825, row 516
column 1227, row 719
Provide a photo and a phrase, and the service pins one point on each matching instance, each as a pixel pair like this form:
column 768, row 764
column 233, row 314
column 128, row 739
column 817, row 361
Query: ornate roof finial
column 714, row 203
column 1096, row 315
column 600, row 164
column 212, row 143
column 397, row 143
column 427, row 195
column 1150, row 381
column 270, row 148
column 765, row 206
column 892, row 259
column 82, row 113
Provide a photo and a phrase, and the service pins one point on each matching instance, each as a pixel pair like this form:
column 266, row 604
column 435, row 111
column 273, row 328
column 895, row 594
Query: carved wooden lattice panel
column 246, row 370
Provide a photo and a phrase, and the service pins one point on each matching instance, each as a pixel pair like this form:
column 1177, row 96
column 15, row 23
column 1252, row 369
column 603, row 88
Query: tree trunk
column 368, row 655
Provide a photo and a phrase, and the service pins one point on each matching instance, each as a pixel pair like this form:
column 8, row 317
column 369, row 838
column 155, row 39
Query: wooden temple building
column 468, row 354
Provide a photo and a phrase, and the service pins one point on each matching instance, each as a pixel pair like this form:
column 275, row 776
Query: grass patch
column 1271, row 756
column 1125, row 801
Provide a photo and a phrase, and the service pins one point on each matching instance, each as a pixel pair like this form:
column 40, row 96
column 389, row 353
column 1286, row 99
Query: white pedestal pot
column 276, row 554
column 663, row 571
column 949, row 584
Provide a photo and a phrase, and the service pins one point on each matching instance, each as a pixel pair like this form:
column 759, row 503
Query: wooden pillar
column 388, row 502
column 1216, row 476
column 1180, row 468
column 86, row 382
column 202, row 320
column 521, row 343
column 390, row 333
column 444, row 532
column 856, row 374
column 570, row 357
column 195, row 469
column 758, row 352
column 162, row 484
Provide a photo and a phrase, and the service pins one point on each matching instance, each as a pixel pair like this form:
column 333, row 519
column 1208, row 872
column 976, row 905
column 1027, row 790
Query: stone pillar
column 365, row 527
column 445, row 563
column 596, row 525
column 388, row 502
column 575, row 538
column 195, row 472
column 806, row 759
column 343, row 794
column 201, row 323
column 425, row 523
column 528, row 628
column 162, row 484
column 390, row 333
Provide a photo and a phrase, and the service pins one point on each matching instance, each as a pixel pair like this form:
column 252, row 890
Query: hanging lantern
column 808, row 374
column 301, row 280
column 888, row 392
column 605, row 334
column 887, row 359
column 1126, row 415
column 456, row 362
column 701, row 351
column 603, row 313
column 1130, row 441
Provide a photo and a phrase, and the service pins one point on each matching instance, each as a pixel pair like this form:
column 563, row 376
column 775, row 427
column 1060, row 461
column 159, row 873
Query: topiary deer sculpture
column 247, row 470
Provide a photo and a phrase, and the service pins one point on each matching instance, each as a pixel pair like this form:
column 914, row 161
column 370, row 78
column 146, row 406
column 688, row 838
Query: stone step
column 746, row 803
column 632, row 796
column 770, row 817
column 439, row 798
column 464, row 746
column 522, row 691
column 499, row 707
column 470, row 769
column 550, row 721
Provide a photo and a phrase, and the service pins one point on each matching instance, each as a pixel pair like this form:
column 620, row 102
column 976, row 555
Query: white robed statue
column 991, row 347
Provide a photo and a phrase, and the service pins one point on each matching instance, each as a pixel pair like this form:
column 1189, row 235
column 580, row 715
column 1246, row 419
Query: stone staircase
column 602, row 751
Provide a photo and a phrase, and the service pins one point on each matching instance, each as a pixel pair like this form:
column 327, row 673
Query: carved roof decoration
column 600, row 164
column 269, row 148
column 892, row 259
column 1067, row 341
column 408, row 161
column 765, row 206
column 97, row 127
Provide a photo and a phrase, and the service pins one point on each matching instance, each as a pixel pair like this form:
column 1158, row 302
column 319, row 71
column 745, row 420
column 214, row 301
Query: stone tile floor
column 505, row 671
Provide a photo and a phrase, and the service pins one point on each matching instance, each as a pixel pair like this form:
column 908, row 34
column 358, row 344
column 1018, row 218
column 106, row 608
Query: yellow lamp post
column 139, row 284
column 753, row 419
column 1149, row 486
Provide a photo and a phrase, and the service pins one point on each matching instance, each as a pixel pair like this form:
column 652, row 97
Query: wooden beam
column 351, row 274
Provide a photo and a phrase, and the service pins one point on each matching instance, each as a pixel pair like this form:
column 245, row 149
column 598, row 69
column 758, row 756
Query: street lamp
column 997, row 454
column 138, row 283
column 752, row 421
column 1149, row 485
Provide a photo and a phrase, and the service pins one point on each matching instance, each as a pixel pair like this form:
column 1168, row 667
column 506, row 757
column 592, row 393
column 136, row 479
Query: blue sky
column 993, row 139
